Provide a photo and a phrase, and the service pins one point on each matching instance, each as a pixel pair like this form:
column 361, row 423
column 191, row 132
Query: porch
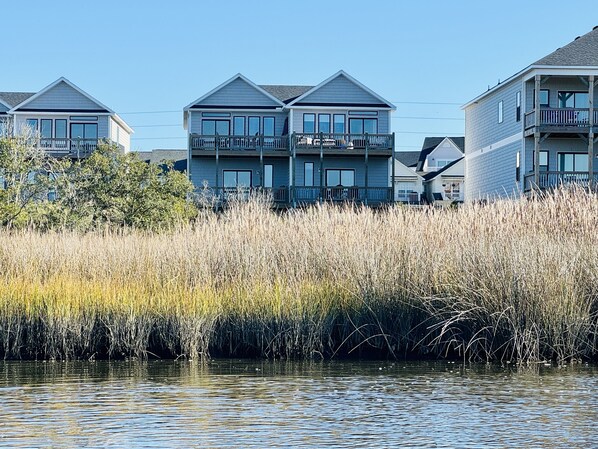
column 73, row 148
column 342, row 143
column 204, row 144
column 560, row 120
column 553, row 179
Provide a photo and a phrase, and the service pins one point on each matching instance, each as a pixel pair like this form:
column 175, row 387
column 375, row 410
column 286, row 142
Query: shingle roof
column 407, row 158
column 14, row 98
column 158, row 156
column 583, row 51
column 433, row 174
column 430, row 144
column 284, row 93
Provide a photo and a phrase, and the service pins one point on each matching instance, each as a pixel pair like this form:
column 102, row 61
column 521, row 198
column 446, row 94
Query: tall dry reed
column 516, row 279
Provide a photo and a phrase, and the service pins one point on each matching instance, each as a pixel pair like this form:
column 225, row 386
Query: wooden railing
column 255, row 143
column 560, row 117
column 75, row 148
column 550, row 179
column 220, row 195
column 329, row 141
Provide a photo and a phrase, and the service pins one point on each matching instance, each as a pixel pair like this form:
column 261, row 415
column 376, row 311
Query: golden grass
column 514, row 279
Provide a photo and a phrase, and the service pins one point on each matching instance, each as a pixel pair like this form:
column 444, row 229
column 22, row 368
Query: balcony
column 314, row 143
column 240, row 145
column 563, row 120
column 73, row 148
column 285, row 196
column 552, row 179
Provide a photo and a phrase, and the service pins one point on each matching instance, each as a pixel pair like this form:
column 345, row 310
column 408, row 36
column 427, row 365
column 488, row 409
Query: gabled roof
column 430, row 144
column 407, row 158
column 62, row 79
column 432, row 175
column 12, row 99
column 158, row 156
column 582, row 52
column 383, row 103
column 284, row 93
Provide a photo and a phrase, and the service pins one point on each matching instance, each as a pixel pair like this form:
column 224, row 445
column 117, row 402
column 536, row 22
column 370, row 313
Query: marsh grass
column 513, row 280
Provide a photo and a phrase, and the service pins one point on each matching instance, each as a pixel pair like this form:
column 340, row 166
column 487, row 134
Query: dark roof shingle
column 284, row 93
column 430, row 144
column 583, row 51
column 14, row 98
column 407, row 158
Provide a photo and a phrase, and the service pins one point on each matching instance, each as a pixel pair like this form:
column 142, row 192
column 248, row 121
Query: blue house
column 302, row 144
column 537, row 129
column 67, row 121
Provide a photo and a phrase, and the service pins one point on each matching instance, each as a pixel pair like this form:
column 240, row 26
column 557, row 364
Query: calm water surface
column 252, row 404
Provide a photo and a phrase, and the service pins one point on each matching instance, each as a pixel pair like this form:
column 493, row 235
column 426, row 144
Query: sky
column 148, row 59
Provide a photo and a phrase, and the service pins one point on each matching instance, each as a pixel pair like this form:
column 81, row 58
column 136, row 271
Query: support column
column 292, row 169
column 367, row 147
column 537, row 131
column 591, row 132
column 392, row 178
column 262, row 162
column 217, row 158
column 322, row 190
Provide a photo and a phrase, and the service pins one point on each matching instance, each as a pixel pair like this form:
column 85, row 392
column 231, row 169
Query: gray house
column 535, row 130
column 304, row 144
column 66, row 120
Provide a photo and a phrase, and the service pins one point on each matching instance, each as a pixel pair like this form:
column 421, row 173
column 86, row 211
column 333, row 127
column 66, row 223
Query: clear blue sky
column 148, row 56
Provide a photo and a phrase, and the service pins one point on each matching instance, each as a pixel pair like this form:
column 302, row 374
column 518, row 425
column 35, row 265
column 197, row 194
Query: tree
column 115, row 188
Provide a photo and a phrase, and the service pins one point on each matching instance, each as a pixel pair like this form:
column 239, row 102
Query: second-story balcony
column 564, row 120
column 73, row 148
column 343, row 143
column 243, row 145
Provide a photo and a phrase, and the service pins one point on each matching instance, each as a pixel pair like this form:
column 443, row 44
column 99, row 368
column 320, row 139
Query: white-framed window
column 268, row 176
column 452, row 190
column 405, row 192
column 518, row 106
column 440, row 163
column 500, row 111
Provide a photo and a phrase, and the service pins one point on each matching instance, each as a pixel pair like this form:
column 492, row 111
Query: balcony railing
column 255, row 143
column 217, row 196
column 334, row 141
column 366, row 195
column 565, row 117
column 551, row 179
column 75, row 148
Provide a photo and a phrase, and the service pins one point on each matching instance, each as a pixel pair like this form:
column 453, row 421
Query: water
column 251, row 404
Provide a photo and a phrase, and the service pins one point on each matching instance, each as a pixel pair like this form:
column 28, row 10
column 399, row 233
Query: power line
column 423, row 132
column 428, row 118
column 150, row 112
column 155, row 126
column 157, row 138
column 428, row 103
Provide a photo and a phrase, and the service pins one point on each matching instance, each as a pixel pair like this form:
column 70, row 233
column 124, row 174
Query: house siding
column 340, row 90
column 62, row 96
column 492, row 175
column 553, row 146
column 203, row 169
column 238, row 93
column 103, row 122
column 554, row 85
column 377, row 169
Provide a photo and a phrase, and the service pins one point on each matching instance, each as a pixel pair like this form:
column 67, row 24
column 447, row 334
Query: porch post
column 261, row 162
column 537, row 132
column 321, row 168
column 591, row 133
column 217, row 157
column 292, row 161
column 392, row 178
column 367, row 145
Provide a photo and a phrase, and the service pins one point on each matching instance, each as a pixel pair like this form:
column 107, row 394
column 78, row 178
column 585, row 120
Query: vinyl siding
column 340, row 90
column 119, row 135
column 377, row 169
column 238, row 93
column 554, row 85
column 445, row 152
column 62, row 96
column 553, row 146
column 203, row 169
column 279, row 119
column 492, row 175
column 297, row 125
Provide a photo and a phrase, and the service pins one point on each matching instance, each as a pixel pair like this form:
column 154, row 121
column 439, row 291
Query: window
column 500, row 111
column 84, row 118
column 60, row 133
column 215, row 114
column 32, row 124
column 308, row 174
column 544, row 98
column 46, row 132
column 405, row 191
column 339, row 123
column 239, row 126
column 268, row 126
column 452, row 190
column 213, row 127
column 338, row 178
column 573, row 99
column 324, row 123
column 442, row 163
column 518, row 106
column 363, row 112
column 309, row 123
column 363, row 125
column 237, row 178
column 518, row 167
column 268, row 176
column 573, row 162
column 84, row 131
column 543, row 160
column 253, row 126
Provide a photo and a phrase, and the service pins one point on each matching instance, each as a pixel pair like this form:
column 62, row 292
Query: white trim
column 495, row 146
column 350, row 78
column 233, row 110
column 341, row 108
column 93, row 114
column 6, row 104
column 226, row 83
column 62, row 79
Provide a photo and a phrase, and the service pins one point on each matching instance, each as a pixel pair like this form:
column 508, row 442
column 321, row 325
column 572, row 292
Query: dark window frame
column 543, row 167
column 244, row 125
column 305, row 174
column 329, row 122
column 558, row 96
column 66, row 127
column 29, row 121
column 273, row 125
column 362, row 119
column 542, row 105
column 518, row 106
column 334, row 116
column 340, row 170
column 259, row 125
column 41, row 127
column 237, row 177
column 215, row 126
column 562, row 153
column 305, row 114
column 271, row 177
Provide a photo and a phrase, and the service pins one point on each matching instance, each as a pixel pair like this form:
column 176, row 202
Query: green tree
column 115, row 188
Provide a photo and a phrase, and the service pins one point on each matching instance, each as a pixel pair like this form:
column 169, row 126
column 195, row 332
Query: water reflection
column 262, row 404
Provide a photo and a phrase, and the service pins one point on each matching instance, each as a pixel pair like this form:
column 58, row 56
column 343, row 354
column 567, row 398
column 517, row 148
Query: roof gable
column 431, row 143
column 402, row 171
column 455, row 168
column 237, row 92
column 341, row 90
column 582, row 52
column 62, row 95
column 407, row 158
column 12, row 99
column 285, row 93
